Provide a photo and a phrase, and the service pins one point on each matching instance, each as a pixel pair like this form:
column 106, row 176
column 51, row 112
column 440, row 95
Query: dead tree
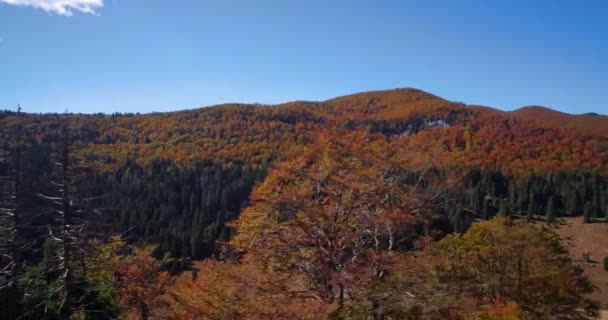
column 11, row 226
column 71, row 212
column 65, row 227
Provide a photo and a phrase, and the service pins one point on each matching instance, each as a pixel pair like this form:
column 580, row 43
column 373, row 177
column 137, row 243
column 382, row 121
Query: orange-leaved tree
column 336, row 216
column 225, row 290
column 141, row 280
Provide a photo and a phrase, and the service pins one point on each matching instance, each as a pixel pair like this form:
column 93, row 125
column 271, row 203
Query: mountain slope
column 178, row 178
column 257, row 134
column 544, row 116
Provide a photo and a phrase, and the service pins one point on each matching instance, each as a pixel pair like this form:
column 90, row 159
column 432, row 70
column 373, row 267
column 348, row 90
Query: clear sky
column 160, row 55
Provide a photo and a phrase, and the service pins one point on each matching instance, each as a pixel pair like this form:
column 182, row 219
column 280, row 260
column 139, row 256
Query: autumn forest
column 380, row 205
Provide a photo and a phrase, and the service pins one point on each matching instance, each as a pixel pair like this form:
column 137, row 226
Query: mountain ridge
column 402, row 93
column 256, row 134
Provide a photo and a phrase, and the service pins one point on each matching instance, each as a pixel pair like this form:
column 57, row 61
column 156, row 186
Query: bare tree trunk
column 14, row 237
column 12, row 211
column 66, row 225
column 144, row 311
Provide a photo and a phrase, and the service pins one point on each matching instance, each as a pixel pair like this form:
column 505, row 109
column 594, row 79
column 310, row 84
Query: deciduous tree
column 498, row 263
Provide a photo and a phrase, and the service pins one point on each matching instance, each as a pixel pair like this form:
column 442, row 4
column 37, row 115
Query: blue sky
column 161, row 55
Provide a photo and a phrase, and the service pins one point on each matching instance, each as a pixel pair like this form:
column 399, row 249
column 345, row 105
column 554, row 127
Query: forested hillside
column 197, row 167
column 181, row 180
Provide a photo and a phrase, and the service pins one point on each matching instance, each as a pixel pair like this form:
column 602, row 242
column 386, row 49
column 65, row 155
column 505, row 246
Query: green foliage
column 183, row 209
column 41, row 288
column 41, row 296
column 503, row 209
column 588, row 212
column 551, row 210
column 100, row 274
column 487, row 193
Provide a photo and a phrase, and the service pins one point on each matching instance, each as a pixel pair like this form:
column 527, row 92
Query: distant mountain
column 592, row 122
column 255, row 134
column 177, row 178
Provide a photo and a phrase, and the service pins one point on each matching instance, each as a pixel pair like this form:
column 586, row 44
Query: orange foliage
column 534, row 139
column 222, row 290
column 335, row 215
column 141, row 281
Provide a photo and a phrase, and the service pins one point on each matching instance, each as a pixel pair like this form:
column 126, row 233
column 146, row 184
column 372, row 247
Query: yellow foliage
column 509, row 261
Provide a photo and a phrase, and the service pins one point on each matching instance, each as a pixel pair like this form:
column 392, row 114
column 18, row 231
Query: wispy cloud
column 61, row 7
